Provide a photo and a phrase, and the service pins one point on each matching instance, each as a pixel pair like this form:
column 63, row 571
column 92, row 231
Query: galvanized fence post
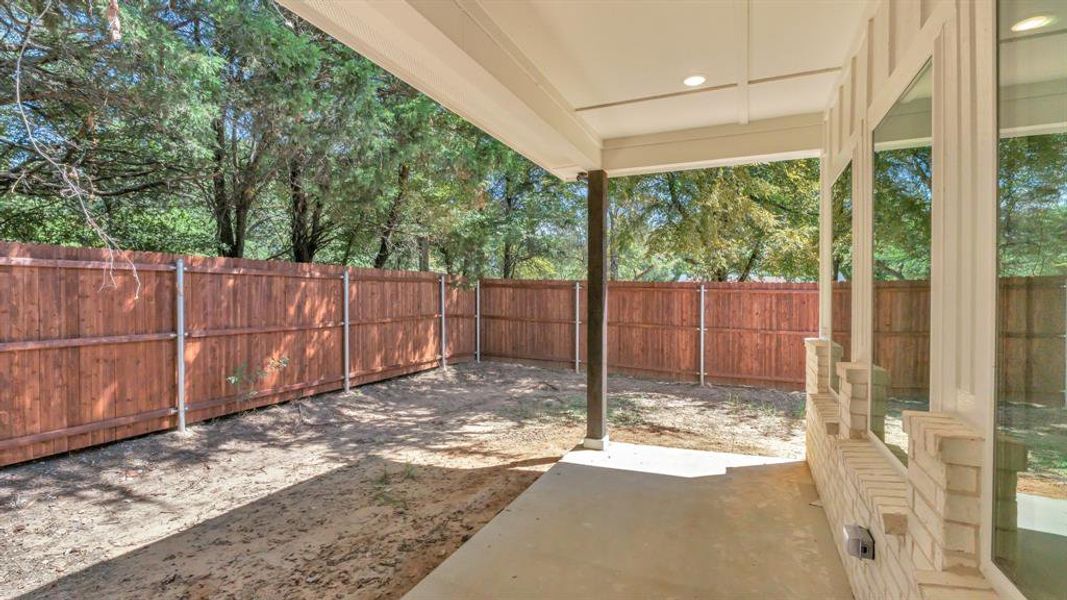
column 478, row 321
column 702, row 334
column 179, row 301
column 577, row 326
column 348, row 364
column 444, row 331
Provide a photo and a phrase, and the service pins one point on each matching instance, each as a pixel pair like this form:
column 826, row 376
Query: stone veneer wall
column 926, row 523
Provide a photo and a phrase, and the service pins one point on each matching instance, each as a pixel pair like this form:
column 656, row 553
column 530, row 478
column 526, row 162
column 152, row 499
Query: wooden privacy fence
column 83, row 361
column 1032, row 322
column 753, row 333
column 902, row 335
column 1032, row 345
column 750, row 333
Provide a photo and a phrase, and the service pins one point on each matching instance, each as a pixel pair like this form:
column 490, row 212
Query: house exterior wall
column 947, row 490
column 900, row 37
column 925, row 521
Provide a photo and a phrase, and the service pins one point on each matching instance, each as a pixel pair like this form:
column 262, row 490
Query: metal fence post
column 444, row 334
column 478, row 321
column 577, row 327
column 179, row 301
column 702, row 334
column 348, row 363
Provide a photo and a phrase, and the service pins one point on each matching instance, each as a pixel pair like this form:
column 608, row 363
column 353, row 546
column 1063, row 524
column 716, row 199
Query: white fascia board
column 439, row 49
column 467, row 24
column 766, row 140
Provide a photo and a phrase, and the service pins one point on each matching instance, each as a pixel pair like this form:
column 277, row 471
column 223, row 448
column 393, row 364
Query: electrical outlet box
column 859, row 542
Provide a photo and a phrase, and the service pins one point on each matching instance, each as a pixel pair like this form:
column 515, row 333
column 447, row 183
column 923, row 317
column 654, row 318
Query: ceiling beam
column 709, row 88
column 765, row 140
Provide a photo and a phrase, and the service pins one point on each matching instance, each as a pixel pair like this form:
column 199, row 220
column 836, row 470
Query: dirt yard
column 340, row 495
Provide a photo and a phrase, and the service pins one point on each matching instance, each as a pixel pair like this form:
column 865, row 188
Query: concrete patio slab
column 649, row 522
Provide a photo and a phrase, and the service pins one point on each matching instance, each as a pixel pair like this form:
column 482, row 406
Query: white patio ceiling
column 582, row 84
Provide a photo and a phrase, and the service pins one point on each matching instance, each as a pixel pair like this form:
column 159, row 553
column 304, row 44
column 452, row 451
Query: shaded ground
column 339, row 495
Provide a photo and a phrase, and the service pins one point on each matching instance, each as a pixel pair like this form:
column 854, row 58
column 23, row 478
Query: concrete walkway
column 649, row 522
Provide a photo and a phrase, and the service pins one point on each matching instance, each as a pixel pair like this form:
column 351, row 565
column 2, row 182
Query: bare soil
column 341, row 495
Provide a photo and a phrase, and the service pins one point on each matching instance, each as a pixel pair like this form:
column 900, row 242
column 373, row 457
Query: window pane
column 903, row 196
column 1030, row 533
column 841, row 307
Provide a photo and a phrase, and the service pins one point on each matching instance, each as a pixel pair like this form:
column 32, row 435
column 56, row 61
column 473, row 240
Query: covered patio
column 644, row 521
column 594, row 90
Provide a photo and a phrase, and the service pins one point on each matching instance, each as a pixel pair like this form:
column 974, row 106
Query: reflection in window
column 1030, row 500
column 841, row 261
column 903, row 169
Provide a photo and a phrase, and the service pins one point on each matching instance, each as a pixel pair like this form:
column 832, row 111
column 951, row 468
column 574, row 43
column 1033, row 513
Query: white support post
column 348, row 364
column 444, row 331
column 179, row 303
column 577, row 326
column 478, row 321
column 702, row 334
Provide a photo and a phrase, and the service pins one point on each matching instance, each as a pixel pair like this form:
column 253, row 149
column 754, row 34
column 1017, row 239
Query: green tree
column 1033, row 205
column 93, row 129
column 841, row 226
column 234, row 128
column 732, row 224
column 902, row 212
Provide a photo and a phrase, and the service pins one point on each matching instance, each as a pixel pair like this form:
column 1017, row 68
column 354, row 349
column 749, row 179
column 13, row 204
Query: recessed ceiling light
column 1031, row 23
column 693, row 80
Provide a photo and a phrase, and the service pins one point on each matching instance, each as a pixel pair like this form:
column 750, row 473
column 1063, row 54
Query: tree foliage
column 1033, row 205
column 233, row 128
column 903, row 200
column 841, row 226
column 723, row 224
